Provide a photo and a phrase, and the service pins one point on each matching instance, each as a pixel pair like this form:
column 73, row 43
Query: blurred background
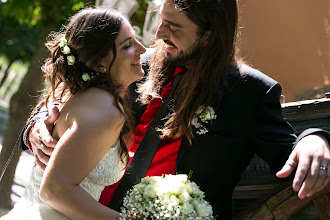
column 290, row 42
column 287, row 40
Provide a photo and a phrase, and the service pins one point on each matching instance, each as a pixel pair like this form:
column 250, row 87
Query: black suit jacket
column 249, row 121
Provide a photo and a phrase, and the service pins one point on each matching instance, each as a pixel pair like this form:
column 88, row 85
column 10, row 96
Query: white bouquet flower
column 166, row 197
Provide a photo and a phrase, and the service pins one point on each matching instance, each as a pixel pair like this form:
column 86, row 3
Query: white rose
column 195, row 123
column 176, row 178
column 192, row 188
column 154, row 180
column 150, row 191
column 140, row 187
column 209, row 113
column 85, row 77
column 71, row 60
column 187, row 208
column 212, row 112
column 66, row 50
column 164, row 199
column 207, row 116
column 145, row 180
column 63, row 42
column 204, row 210
column 173, row 200
column 179, row 188
column 184, row 197
column 188, row 187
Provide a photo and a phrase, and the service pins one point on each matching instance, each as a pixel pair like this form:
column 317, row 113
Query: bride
column 92, row 63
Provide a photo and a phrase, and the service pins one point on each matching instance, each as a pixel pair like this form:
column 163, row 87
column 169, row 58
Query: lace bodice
column 108, row 171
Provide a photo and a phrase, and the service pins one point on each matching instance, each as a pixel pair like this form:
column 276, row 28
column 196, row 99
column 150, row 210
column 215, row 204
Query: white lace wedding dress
column 108, row 171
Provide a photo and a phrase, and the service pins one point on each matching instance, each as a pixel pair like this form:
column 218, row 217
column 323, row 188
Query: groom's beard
column 185, row 58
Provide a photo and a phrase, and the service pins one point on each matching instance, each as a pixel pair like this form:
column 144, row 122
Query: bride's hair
column 89, row 35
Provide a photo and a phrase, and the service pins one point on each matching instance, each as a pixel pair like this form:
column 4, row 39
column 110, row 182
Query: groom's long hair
column 205, row 79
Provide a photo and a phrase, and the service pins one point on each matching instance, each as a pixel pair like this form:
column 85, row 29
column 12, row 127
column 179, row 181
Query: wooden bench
column 260, row 195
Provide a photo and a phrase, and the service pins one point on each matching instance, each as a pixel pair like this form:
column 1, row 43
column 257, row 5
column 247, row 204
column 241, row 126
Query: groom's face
column 178, row 32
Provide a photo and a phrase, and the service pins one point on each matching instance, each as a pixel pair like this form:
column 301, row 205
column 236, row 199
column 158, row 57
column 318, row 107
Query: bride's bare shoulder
column 90, row 107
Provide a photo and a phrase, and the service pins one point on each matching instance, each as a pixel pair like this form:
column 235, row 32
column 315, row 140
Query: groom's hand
column 311, row 156
column 41, row 140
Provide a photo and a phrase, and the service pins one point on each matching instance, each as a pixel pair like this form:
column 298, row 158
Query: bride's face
column 127, row 67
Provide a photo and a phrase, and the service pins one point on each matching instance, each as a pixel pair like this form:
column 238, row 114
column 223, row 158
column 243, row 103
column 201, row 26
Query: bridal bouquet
column 166, row 197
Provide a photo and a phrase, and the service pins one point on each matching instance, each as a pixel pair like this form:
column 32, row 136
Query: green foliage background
column 24, row 26
column 138, row 18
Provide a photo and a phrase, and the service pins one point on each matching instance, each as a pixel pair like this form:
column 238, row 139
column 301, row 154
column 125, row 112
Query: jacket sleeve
column 273, row 137
column 309, row 131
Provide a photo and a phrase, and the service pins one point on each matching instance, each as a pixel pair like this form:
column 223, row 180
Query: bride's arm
column 88, row 126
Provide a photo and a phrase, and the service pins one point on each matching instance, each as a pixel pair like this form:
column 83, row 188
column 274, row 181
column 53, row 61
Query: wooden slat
column 322, row 205
column 306, row 109
column 261, row 214
column 290, row 206
column 286, row 204
column 252, row 191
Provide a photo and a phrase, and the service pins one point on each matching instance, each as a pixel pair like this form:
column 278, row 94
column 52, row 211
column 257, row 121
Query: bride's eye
column 128, row 45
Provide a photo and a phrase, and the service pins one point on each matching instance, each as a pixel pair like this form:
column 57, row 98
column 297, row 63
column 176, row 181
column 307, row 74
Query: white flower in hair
column 63, row 42
column 85, row 77
column 71, row 59
column 66, row 49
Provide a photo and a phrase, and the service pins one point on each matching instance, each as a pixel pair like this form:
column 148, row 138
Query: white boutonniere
column 202, row 117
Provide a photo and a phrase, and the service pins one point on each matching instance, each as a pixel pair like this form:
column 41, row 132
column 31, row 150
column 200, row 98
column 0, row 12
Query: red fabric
column 164, row 160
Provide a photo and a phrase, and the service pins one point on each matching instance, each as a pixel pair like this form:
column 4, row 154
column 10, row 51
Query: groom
column 194, row 70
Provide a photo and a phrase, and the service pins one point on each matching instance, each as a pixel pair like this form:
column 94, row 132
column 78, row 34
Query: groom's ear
column 205, row 38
